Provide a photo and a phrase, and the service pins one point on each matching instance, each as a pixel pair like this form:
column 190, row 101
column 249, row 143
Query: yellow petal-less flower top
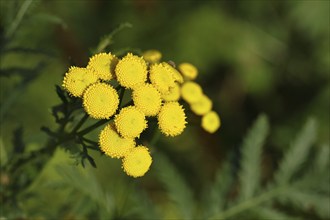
column 131, row 71
column 137, row 162
column 130, row 122
column 171, row 119
column 77, row 79
column 112, row 144
column 100, row 101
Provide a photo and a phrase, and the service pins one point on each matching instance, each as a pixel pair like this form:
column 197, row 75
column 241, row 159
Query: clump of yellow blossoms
column 157, row 91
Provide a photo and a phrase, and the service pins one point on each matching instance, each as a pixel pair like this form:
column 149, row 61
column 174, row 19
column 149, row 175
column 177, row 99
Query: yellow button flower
column 112, row 144
column 100, row 100
column 191, row 92
column 175, row 73
column 137, row 162
column 147, row 99
column 188, row 70
column 77, row 79
column 161, row 76
column 152, row 56
column 103, row 65
column 211, row 122
column 173, row 94
column 202, row 106
column 171, row 119
column 130, row 122
column 131, row 71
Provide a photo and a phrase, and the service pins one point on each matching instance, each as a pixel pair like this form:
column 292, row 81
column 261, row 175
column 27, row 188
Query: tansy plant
column 156, row 91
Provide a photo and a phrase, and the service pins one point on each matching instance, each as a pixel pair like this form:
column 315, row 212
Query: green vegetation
column 265, row 65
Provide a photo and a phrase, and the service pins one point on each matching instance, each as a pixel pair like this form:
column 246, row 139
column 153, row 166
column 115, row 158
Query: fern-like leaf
column 297, row 153
column 307, row 201
column 217, row 193
column 251, row 157
column 262, row 213
column 176, row 187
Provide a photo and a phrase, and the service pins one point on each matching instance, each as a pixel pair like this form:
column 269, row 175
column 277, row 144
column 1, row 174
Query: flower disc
column 130, row 122
column 152, row 56
column 211, row 122
column 161, row 77
column 173, row 94
column 191, row 92
column 103, row 65
column 171, row 119
column 131, row 71
column 147, row 99
column 137, row 162
column 188, row 70
column 202, row 106
column 100, row 100
column 77, row 79
column 112, row 144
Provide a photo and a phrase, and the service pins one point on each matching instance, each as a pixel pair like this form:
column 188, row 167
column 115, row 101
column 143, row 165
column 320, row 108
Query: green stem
column 248, row 204
column 92, row 127
column 81, row 122
column 23, row 9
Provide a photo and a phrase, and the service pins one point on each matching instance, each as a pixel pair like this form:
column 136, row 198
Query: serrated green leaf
column 308, row 202
column 217, row 193
column 262, row 213
column 178, row 191
column 297, row 153
column 251, row 157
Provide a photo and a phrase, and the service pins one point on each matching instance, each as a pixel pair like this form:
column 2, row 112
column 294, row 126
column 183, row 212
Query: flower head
column 137, row 162
column 188, row 70
column 191, row 92
column 112, row 144
column 100, row 100
column 173, row 94
column 171, row 119
column 161, row 76
column 131, row 71
column 152, row 56
column 77, row 79
column 202, row 106
column 130, row 122
column 103, row 65
column 175, row 73
column 147, row 99
column 211, row 122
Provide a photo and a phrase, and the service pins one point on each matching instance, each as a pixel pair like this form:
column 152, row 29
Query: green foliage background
column 265, row 64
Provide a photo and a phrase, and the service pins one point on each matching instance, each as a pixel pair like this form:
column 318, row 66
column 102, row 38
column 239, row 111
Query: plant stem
column 248, row 204
column 92, row 127
column 20, row 14
column 81, row 122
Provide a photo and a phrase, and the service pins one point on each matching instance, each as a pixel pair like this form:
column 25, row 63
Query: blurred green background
column 253, row 57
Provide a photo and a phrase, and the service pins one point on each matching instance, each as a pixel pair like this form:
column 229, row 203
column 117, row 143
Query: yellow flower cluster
column 156, row 88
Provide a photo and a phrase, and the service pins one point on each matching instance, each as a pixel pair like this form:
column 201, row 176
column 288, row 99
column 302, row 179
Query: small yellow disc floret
column 103, row 65
column 191, row 92
column 147, row 99
column 130, row 122
column 131, row 71
column 171, row 119
column 152, row 56
column 188, row 70
column 100, row 100
column 211, row 122
column 202, row 106
column 173, row 94
column 137, row 162
column 161, row 76
column 112, row 144
column 77, row 79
